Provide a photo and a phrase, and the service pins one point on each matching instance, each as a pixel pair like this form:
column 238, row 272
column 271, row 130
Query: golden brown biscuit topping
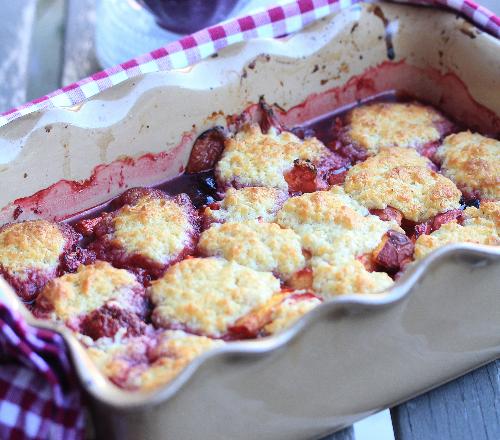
column 332, row 225
column 252, row 158
column 382, row 125
column 480, row 226
column 154, row 227
column 88, row 289
column 261, row 246
column 208, row 295
column 472, row 161
column 351, row 277
column 250, row 203
column 401, row 179
column 35, row 244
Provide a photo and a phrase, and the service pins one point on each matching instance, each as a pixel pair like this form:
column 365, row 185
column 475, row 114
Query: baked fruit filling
column 149, row 361
column 274, row 221
column 34, row 252
column 147, row 233
column 98, row 300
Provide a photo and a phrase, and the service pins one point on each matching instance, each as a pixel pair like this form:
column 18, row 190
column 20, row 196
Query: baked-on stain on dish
column 317, row 108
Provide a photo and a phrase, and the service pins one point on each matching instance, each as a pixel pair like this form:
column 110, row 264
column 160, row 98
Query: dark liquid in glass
column 188, row 16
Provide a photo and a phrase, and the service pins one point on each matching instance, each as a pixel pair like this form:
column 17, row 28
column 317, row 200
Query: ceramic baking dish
column 352, row 355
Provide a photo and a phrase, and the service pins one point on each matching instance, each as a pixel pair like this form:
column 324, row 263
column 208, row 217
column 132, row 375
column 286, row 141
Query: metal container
column 351, row 356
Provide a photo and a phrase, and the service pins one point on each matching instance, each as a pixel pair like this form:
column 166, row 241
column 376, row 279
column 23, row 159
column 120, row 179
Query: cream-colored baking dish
column 352, row 355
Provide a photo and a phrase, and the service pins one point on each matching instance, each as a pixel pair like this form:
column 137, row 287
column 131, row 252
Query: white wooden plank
column 46, row 50
column 467, row 408
column 16, row 21
column 79, row 48
column 376, row 427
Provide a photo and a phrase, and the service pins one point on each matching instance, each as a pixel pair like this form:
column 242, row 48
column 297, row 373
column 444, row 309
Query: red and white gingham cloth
column 39, row 393
column 273, row 22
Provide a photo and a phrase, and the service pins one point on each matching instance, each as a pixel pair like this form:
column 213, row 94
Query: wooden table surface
column 47, row 44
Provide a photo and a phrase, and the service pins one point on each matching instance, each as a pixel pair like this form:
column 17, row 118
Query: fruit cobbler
column 274, row 221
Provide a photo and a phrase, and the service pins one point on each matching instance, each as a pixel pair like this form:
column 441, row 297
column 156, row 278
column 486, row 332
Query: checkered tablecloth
column 39, row 394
